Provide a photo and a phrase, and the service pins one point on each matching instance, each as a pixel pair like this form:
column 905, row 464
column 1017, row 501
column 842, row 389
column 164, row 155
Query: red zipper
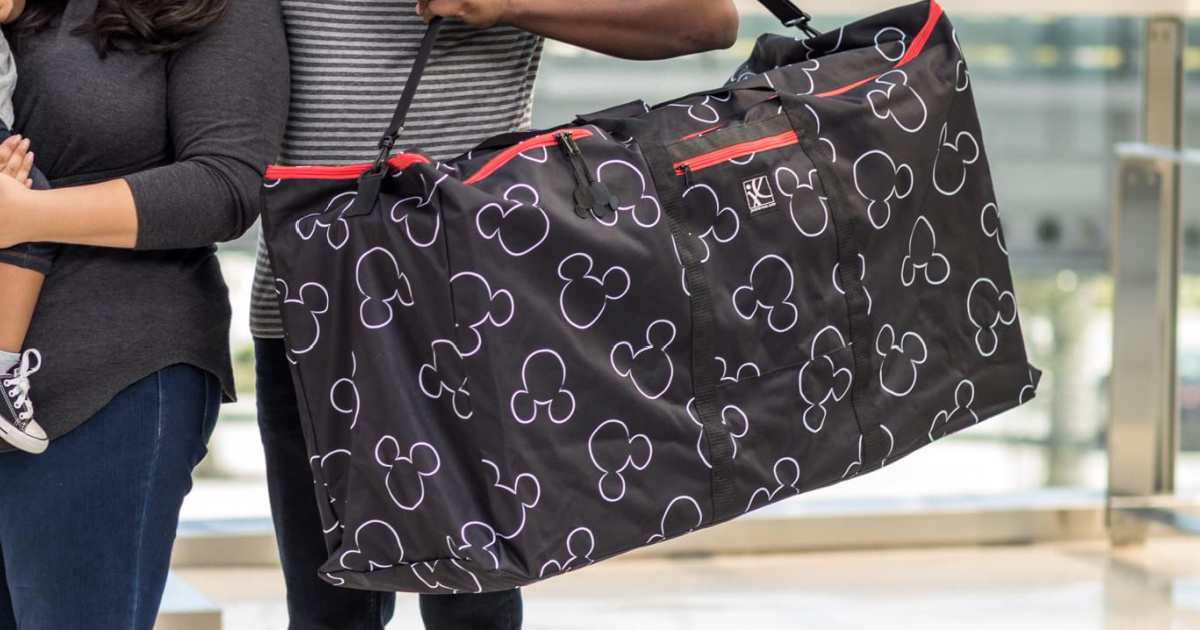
column 349, row 171
column 735, row 151
column 536, row 142
column 914, row 49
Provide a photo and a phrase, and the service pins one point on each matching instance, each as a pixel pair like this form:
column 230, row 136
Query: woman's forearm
column 103, row 215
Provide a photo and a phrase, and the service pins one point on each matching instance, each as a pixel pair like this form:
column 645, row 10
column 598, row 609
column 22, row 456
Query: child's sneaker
column 17, row 426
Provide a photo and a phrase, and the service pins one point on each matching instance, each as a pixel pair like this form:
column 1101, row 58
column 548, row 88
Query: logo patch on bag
column 759, row 195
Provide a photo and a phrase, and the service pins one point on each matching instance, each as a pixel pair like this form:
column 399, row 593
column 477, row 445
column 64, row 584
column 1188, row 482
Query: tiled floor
column 1064, row 587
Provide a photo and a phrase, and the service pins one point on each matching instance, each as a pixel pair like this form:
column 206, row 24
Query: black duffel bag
column 566, row 345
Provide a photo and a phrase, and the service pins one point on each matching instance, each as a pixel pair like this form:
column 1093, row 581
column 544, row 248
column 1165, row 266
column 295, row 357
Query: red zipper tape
column 349, row 171
column 914, row 49
column 507, row 155
column 735, row 151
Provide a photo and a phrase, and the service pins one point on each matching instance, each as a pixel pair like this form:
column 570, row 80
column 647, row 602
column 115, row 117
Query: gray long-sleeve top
column 191, row 132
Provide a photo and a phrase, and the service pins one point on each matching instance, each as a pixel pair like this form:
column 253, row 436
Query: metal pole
column 1143, row 428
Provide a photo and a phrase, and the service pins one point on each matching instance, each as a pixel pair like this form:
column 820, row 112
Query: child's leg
column 21, row 289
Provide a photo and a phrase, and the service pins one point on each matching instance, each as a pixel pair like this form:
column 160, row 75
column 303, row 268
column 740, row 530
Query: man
column 349, row 63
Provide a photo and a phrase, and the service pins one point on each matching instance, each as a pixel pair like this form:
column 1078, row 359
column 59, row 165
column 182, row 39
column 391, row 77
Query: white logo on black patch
column 759, row 195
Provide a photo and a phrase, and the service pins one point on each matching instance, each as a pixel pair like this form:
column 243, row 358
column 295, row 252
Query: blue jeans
column 37, row 257
column 312, row 603
column 86, row 529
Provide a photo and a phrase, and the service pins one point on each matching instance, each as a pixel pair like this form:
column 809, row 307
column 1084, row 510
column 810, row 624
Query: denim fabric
column 312, row 603
column 37, row 257
column 86, row 529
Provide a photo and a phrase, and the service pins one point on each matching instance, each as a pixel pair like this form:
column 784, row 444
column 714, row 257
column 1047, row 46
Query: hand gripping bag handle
column 370, row 181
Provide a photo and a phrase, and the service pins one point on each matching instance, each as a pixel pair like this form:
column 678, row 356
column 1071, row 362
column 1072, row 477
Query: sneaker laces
column 18, row 386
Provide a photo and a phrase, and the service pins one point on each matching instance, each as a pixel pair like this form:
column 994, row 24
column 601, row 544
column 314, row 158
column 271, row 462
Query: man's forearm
column 632, row 29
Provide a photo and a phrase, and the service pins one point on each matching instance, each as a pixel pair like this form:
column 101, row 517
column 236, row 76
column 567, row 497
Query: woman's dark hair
column 143, row 26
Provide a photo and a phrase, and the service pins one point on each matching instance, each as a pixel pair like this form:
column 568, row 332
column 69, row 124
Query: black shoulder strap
column 370, row 181
column 791, row 15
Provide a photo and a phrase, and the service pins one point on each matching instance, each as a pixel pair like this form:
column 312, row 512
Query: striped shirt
column 350, row 59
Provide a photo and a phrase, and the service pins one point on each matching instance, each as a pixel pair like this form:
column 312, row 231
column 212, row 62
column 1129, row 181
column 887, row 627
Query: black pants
column 37, row 257
column 312, row 603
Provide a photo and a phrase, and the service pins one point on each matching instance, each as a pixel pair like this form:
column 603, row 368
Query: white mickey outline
column 955, row 146
column 859, row 461
column 716, row 116
column 444, row 387
column 539, row 404
column 832, row 394
column 287, row 299
column 601, row 280
column 632, row 208
column 962, row 79
column 432, row 568
column 758, row 305
column 832, row 149
column 319, row 461
column 421, row 203
column 808, row 55
column 712, row 229
column 662, row 528
column 307, row 233
column 357, row 406
column 488, row 317
column 1000, row 319
column 737, row 376
column 782, row 483
column 892, row 347
column 357, row 551
column 862, row 276
column 886, row 94
column 396, row 296
column 513, row 490
column 944, row 417
column 504, row 213
column 650, row 346
column 895, row 192
column 811, row 185
column 629, row 459
column 574, row 553
column 410, row 459
column 908, row 269
column 902, row 41
column 996, row 234
column 734, row 434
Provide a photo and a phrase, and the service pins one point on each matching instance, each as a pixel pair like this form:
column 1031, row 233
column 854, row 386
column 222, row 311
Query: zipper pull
column 687, row 174
column 590, row 195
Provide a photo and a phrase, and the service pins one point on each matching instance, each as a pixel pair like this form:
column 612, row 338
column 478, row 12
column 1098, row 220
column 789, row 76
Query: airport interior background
column 1030, row 518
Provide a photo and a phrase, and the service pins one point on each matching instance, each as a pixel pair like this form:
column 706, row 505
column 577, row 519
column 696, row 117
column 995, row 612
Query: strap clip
column 802, row 23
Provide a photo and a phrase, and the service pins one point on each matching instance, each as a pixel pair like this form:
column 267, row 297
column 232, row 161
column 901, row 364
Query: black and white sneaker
column 17, row 426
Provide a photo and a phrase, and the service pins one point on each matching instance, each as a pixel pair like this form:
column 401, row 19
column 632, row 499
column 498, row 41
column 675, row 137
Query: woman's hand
column 476, row 13
column 16, row 160
column 16, row 203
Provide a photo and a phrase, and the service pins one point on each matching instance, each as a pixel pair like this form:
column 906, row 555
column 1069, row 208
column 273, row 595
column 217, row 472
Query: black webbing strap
column 850, row 273
column 369, row 182
column 705, row 377
column 791, row 15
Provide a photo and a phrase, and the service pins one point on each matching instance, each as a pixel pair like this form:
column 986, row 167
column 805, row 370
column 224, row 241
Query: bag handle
column 370, row 181
column 791, row 15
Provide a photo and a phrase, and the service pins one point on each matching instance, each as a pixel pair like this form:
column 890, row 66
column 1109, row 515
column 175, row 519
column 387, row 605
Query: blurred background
column 1057, row 95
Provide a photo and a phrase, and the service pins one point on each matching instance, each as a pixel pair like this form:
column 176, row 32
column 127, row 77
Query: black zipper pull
column 590, row 196
column 687, row 174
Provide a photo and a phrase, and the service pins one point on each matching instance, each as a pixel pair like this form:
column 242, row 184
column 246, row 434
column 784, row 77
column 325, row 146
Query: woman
column 153, row 122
